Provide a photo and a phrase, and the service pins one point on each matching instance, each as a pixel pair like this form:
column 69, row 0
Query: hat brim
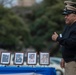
column 66, row 12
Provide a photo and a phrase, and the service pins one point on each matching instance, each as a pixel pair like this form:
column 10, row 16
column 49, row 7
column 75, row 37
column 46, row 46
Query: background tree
column 13, row 31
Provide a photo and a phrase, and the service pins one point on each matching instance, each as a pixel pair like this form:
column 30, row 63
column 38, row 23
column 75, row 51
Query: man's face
column 70, row 18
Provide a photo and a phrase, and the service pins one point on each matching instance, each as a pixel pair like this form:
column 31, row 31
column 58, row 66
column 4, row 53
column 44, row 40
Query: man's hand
column 62, row 63
column 54, row 36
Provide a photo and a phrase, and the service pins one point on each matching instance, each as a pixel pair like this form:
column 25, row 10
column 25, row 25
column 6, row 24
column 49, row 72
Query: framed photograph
column 44, row 58
column 31, row 58
column 18, row 60
column 5, row 58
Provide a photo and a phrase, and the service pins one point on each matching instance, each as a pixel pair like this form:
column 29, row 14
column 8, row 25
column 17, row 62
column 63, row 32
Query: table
column 13, row 70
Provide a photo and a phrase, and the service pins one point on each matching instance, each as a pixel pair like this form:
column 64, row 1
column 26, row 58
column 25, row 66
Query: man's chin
column 67, row 23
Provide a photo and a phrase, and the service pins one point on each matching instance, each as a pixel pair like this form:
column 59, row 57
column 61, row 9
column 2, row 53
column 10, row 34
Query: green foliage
column 13, row 31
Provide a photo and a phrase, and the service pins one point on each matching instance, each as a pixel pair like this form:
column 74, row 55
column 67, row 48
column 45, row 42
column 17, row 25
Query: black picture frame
column 18, row 58
column 31, row 58
column 5, row 58
column 44, row 58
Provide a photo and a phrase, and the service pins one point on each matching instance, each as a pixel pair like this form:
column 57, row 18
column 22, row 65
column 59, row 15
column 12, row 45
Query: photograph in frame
column 31, row 58
column 19, row 58
column 44, row 58
column 5, row 58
